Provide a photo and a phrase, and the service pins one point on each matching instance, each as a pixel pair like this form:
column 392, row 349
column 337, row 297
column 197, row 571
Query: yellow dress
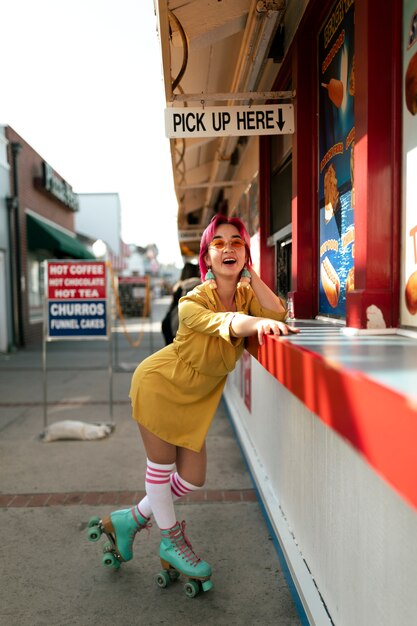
column 175, row 392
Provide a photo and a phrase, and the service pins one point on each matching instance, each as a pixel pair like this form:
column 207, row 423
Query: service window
column 280, row 235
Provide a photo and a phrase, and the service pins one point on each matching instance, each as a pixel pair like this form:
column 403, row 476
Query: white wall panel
column 357, row 536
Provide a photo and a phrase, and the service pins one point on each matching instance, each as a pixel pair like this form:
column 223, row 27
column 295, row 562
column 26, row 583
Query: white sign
column 264, row 119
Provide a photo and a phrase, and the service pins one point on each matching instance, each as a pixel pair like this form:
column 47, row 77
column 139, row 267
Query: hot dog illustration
column 330, row 281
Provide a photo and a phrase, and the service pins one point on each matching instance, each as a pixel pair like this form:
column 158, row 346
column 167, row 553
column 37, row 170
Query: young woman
column 175, row 392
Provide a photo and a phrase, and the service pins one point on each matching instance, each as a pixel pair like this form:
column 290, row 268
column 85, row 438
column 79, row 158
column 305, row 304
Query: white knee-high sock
column 179, row 488
column 158, row 491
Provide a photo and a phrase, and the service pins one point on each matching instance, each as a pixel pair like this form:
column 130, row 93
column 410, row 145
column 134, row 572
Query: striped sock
column 158, row 490
column 179, row 488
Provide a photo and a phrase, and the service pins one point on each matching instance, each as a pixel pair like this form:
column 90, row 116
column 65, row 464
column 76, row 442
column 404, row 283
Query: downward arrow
column 280, row 122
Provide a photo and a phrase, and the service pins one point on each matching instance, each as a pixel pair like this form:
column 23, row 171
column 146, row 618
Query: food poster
column 336, row 89
column 408, row 291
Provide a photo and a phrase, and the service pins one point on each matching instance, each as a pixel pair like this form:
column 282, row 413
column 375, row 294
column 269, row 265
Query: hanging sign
column 76, row 295
column 263, row 119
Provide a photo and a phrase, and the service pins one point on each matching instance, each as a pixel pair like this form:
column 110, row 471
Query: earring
column 211, row 279
column 245, row 277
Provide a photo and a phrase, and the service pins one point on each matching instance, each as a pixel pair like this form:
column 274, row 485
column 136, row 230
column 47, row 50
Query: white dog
column 71, row 429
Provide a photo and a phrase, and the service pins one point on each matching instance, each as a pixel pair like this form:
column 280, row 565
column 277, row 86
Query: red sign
column 81, row 280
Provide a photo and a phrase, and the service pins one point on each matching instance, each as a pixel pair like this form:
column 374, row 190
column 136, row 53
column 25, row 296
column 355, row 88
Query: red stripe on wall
column 380, row 423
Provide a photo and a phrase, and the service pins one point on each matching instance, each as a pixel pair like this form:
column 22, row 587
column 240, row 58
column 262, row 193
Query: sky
column 82, row 84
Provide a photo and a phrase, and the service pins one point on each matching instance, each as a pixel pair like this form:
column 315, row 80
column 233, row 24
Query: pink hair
column 208, row 234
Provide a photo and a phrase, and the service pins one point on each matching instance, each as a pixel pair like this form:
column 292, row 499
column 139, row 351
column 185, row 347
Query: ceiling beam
column 214, row 183
column 199, row 174
column 243, row 95
column 163, row 29
column 221, row 20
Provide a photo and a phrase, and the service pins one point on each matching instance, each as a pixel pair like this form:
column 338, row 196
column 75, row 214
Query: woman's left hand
column 267, row 326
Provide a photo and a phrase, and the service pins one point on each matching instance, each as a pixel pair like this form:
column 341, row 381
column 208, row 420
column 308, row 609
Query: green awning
column 43, row 236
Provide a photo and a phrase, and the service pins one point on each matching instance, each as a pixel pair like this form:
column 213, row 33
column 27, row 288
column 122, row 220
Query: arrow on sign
column 280, row 122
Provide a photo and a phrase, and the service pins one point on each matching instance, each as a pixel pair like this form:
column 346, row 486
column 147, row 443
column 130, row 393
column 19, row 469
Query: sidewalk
column 51, row 574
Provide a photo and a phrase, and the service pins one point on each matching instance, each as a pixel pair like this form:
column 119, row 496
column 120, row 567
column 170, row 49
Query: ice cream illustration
column 335, row 91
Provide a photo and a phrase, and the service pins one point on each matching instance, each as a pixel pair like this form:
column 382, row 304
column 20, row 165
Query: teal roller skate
column 178, row 557
column 120, row 528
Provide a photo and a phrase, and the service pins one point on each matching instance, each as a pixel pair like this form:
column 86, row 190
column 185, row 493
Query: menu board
column 408, row 290
column 336, row 89
column 76, row 300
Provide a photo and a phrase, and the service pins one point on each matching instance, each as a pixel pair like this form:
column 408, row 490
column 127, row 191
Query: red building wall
column 30, row 196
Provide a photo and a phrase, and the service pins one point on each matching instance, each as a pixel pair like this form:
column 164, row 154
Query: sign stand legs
column 111, row 373
column 45, row 385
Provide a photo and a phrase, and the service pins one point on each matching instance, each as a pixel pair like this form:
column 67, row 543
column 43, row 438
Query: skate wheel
column 162, row 579
column 94, row 533
column 173, row 575
column 191, row 588
column 206, row 585
column 109, row 560
column 94, row 521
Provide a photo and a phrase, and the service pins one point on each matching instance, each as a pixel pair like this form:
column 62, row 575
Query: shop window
column 280, row 235
column 35, row 287
column 281, row 197
column 283, row 256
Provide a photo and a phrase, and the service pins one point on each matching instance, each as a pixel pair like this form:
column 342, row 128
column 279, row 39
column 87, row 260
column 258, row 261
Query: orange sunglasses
column 220, row 244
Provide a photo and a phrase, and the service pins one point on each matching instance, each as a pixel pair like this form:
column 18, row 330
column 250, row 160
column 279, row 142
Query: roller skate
column 120, row 528
column 177, row 557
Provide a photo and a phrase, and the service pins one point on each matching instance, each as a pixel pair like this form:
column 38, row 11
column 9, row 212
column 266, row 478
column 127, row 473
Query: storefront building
column 5, row 304
column 41, row 207
column 328, row 420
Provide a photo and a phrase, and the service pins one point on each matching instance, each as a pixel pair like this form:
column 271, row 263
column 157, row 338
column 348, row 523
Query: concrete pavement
column 51, row 574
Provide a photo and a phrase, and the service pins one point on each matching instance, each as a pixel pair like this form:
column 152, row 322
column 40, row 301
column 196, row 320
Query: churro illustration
column 350, row 280
column 331, row 193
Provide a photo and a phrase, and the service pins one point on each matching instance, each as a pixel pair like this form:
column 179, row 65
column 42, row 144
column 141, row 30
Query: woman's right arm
column 246, row 326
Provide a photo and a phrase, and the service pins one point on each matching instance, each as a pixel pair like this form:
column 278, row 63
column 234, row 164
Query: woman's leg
column 191, row 466
column 175, row 549
column 190, row 474
column 159, row 467
column 157, row 450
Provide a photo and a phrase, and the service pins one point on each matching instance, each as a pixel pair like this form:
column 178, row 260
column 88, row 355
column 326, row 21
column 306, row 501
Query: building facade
column 6, row 311
column 99, row 219
column 41, row 207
